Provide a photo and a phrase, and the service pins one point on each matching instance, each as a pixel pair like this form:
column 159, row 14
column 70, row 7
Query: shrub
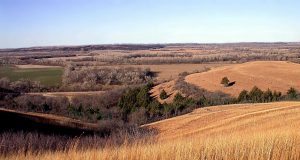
column 225, row 81
column 292, row 93
column 163, row 94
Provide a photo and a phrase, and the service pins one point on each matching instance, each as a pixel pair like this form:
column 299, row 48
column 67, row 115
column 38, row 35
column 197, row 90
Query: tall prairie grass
column 272, row 145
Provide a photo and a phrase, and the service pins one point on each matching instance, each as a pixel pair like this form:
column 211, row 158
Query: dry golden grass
column 258, row 147
column 228, row 119
column 249, row 131
column 69, row 95
column 276, row 75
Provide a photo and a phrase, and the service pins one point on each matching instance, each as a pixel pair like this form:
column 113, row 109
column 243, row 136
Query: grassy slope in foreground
column 246, row 131
column 47, row 76
column 229, row 119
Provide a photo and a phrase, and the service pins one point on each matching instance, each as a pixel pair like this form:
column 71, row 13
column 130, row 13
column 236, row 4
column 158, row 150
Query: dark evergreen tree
column 163, row 95
column 256, row 94
column 268, row 95
column 292, row 93
column 243, row 96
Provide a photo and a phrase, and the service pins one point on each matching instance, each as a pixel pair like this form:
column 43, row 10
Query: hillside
column 276, row 75
column 246, row 131
column 239, row 119
column 46, row 123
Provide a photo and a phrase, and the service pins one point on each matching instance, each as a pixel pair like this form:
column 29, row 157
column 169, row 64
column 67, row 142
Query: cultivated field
column 247, row 131
column 45, row 75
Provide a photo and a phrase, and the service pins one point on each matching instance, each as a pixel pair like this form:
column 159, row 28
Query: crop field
column 47, row 76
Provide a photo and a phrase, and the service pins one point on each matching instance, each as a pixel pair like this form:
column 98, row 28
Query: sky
column 26, row 23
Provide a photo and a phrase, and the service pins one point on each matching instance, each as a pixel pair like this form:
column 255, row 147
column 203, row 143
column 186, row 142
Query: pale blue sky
column 25, row 23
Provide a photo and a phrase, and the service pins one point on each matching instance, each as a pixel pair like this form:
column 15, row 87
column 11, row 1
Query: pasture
column 46, row 76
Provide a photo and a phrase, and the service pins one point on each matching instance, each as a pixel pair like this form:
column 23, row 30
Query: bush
column 163, row 95
column 225, row 81
column 292, row 93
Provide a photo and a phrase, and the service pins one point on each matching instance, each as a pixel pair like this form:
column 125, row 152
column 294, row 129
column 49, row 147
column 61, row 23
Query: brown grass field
column 69, row 95
column 228, row 119
column 246, row 131
column 276, row 75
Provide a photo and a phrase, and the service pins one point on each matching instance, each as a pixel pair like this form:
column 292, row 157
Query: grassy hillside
column 47, row 76
column 230, row 119
column 247, row 131
column 275, row 75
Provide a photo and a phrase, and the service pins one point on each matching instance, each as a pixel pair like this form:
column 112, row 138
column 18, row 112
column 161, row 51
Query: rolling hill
column 237, row 119
column 276, row 75
column 245, row 131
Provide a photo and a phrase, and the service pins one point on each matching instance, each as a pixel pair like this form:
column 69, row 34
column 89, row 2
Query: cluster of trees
column 256, row 95
column 92, row 77
column 22, row 85
column 138, row 107
column 87, row 108
column 217, row 55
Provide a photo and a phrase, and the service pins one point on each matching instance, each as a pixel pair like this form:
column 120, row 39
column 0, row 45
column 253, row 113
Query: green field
column 47, row 76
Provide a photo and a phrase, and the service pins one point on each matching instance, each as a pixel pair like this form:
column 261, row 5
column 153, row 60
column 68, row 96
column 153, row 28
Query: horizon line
column 165, row 43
